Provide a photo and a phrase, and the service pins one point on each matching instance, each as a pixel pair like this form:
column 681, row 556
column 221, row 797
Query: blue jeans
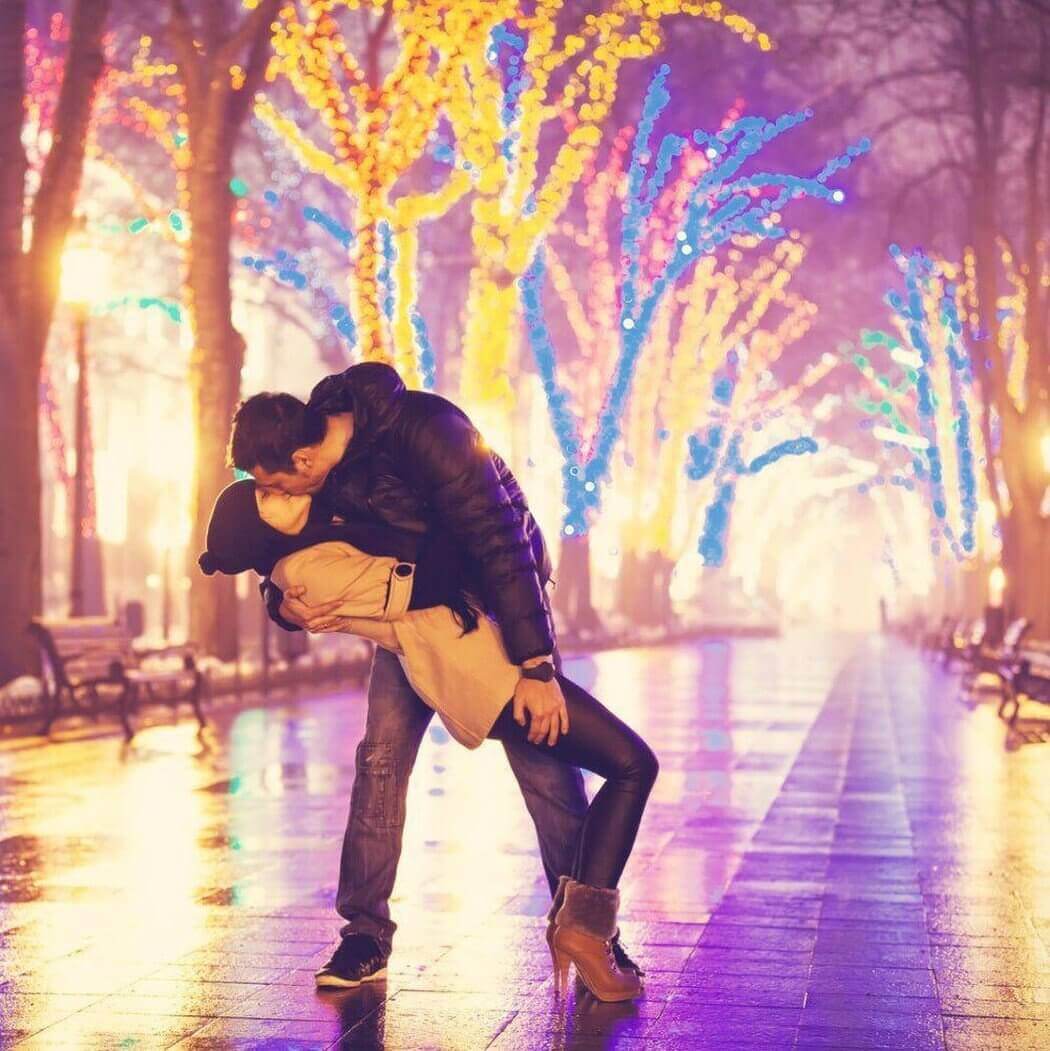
column 396, row 722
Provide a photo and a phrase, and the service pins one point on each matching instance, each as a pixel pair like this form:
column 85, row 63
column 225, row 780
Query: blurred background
column 755, row 302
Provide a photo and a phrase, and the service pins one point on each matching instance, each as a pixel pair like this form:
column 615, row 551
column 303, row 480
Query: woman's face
column 281, row 511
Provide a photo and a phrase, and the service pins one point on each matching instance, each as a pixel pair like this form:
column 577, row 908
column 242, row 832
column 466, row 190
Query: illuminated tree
column 667, row 226
column 720, row 327
column 727, row 451
column 928, row 418
column 539, row 91
column 719, row 307
column 969, row 81
column 377, row 127
column 34, row 222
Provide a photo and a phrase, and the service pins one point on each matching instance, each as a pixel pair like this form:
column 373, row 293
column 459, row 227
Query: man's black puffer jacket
column 416, row 462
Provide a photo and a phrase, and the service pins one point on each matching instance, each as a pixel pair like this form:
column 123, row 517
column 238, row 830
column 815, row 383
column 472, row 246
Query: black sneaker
column 358, row 959
column 623, row 961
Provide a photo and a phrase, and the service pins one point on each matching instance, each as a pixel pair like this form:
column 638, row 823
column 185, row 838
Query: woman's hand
column 312, row 618
column 545, row 703
column 341, row 625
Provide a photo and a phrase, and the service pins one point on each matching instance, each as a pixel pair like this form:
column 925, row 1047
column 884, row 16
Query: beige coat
column 466, row 678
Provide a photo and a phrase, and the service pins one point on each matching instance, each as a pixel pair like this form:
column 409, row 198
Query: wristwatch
column 540, row 672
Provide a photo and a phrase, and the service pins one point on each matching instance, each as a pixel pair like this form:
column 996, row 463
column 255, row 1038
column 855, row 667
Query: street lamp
column 84, row 282
column 168, row 536
column 996, row 587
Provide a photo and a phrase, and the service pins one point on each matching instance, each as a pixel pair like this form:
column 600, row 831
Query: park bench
column 1025, row 674
column 962, row 641
column 985, row 659
column 89, row 661
column 936, row 638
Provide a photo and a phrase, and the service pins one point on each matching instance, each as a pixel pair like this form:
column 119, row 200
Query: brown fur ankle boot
column 583, row 930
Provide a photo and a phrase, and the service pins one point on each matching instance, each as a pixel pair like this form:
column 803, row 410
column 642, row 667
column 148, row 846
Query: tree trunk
column 1025, row 532
column 20, row 533
column 573, row 593
column 216, row 113
column 661, row 612
column 632, row 587
column 28, row 288
column 215, row 382
column 1028, row 570
column 365, row 292
column 403, row 335
column 488, row 345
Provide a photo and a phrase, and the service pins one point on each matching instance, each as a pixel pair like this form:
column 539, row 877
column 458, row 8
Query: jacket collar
column 372, row 391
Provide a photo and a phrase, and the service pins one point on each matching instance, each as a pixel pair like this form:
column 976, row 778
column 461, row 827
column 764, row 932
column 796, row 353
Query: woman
column 400, row 595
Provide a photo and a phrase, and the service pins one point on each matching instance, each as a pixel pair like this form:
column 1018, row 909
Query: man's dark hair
column 268, row 428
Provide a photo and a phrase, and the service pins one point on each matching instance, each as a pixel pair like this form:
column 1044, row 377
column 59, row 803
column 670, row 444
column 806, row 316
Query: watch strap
column 542, row 672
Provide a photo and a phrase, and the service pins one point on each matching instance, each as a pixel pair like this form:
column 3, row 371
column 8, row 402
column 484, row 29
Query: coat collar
column 372, row 391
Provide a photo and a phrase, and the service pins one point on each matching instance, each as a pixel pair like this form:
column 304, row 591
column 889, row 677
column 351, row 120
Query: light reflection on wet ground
column 836, row 854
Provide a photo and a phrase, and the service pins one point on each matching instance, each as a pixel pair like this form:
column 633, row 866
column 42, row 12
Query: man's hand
column 545, row 703
column 313, row 618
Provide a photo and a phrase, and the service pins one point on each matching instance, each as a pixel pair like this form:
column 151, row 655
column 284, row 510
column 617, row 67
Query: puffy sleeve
column 454, row 471
column 337, row 571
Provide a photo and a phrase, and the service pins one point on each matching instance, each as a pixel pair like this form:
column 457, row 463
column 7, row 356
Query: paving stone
column 836, row 854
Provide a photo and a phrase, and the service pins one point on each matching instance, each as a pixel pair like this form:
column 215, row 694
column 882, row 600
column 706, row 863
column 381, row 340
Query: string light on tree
column 721, row 205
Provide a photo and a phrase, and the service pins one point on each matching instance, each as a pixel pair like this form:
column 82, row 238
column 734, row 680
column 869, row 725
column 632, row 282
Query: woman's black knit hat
column 238, row 539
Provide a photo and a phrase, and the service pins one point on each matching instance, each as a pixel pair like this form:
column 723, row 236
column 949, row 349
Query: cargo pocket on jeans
column 374, row 799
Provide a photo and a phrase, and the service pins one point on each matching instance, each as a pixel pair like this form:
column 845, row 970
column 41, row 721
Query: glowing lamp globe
column 85, row 274
column 996, row 586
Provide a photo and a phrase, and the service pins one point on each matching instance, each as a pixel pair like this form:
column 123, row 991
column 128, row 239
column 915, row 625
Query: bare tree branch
column 252, row 27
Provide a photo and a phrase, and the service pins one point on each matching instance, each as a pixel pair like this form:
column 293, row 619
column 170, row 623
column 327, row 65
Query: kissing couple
column 380, row 512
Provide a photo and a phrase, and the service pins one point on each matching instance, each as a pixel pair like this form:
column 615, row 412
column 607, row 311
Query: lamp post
column 994, row 613
column 85, row 279
column 169, row 537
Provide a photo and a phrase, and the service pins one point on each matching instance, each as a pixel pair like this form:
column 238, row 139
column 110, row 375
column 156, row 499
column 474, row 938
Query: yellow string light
column 376, row 132
column 514, row 206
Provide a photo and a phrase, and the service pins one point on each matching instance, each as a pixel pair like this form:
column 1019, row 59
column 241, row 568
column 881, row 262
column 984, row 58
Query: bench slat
column 175, row 675
column 90, row 671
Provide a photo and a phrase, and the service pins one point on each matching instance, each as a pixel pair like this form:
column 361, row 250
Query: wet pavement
column 837, row 854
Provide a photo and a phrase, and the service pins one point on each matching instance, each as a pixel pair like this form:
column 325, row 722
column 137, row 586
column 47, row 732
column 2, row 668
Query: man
column 369, row 447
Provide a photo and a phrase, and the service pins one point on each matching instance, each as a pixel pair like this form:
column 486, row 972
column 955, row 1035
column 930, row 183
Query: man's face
column 307, row 478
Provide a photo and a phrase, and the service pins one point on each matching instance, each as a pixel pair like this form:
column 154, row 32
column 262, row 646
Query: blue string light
column 920, row 272
column 427, row 358
column 962, row 382
column 303, row 276
column 515, row 80
column 385, row 275
column 717, row 516
column 722, row 205
column 167, row 306
column 329, row 224
column 703, row 453
column 792, row 447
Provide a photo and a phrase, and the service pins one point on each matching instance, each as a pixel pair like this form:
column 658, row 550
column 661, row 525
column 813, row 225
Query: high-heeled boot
column 559, row 897
column 583, row 931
